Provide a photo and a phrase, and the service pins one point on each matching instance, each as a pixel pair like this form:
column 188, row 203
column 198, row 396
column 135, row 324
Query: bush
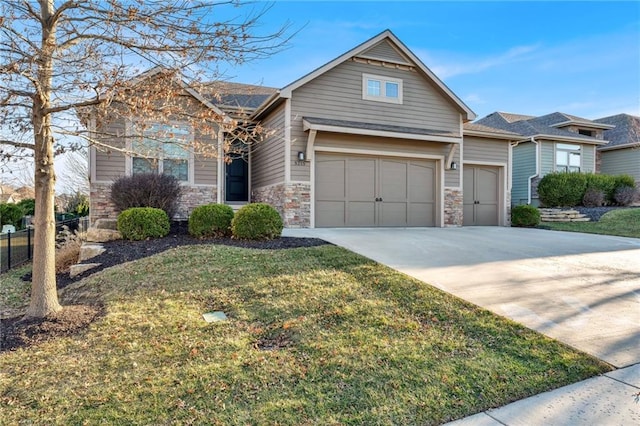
column 604, row 183
column 593, row 197
column 146, row 190
column 11, row 214
column 624, row 180
column 78, row 204
column 28, row 206
column 562, row 189
column 625, row 195
column 140, row 223
column 211, row 220
column 525, row 216
column 256, row 221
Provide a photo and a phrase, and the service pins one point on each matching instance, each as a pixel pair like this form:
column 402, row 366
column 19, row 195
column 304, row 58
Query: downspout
column 530, row 179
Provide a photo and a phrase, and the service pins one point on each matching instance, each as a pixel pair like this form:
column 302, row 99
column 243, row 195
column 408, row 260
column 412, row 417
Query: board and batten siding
column 267, row 157
column 621, row 161
column 408, row 148
column 111, row 164
column 337, row 94
column 524, row 166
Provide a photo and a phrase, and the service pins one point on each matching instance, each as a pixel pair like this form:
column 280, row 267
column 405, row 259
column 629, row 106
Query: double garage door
column 353, row 190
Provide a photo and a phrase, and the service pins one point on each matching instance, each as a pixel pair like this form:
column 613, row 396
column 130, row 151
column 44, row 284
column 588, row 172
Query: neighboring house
column 372, row 138
column 549, row 143
column 622, row 154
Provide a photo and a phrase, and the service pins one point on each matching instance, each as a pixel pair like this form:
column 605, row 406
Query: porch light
column 301, row 155
column 454, row 166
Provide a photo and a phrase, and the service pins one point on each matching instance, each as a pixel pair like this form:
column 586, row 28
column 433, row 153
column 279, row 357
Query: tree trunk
column 44, row 294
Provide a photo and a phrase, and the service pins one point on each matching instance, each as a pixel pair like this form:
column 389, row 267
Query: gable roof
column 477, row 129
column 542, row 127
column 286, row 91
column 236, row 98
column 626, row 132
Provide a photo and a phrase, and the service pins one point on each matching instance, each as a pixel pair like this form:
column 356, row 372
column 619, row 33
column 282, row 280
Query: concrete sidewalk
column 610, row 399
column 581, row 289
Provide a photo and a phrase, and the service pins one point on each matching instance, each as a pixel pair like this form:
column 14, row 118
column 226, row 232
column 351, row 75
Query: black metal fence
column 16, row 248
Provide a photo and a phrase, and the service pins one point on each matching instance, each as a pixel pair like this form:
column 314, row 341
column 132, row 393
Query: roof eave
column 593, row 125
column 479, row 133
column 621, row 146
column 571, row 139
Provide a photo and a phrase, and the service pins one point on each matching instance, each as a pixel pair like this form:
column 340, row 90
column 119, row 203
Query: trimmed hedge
column 568, row 189
column 211, row 220
column 525, row 216
column 146, row 190
column 140, row 223
column 256, row 221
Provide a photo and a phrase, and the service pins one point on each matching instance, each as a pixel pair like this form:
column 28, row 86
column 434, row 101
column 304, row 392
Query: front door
column 237, row 181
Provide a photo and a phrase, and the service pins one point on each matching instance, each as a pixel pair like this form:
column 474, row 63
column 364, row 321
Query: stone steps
column 562, row 215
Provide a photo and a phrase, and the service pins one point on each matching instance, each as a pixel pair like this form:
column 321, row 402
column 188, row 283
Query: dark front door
column 237, row 181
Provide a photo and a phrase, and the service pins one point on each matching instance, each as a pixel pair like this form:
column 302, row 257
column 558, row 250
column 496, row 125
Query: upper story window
column 585, row 132
column 567, row 157
column 162, row 148
column 382, row 89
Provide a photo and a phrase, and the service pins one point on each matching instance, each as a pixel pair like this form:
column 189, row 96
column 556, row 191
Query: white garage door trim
column 502, row 217
column 439, row 220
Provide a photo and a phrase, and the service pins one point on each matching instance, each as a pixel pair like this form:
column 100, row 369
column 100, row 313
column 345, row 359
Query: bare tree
column 62, row 57
column 74, row 176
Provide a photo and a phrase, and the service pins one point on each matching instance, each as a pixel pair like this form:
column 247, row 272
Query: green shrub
column 525, row 216
column 604, row 183
column 624, row 180
column 11, row 214
column 146, row 190
column 562, row 189
column 28, row 206
column 140, row 223
column 256, row 221
column 78, row 204
column 211, row 220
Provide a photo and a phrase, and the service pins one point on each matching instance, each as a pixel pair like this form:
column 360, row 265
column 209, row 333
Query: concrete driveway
column 581, row 289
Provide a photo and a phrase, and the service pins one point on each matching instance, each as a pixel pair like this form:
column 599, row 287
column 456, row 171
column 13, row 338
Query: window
column 381, row 89
column 584, row 132
column 162, row 148
column 567, row 157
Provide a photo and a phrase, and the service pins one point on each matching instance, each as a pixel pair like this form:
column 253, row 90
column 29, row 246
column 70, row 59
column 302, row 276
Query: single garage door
column 353, row 190
column 481, row 198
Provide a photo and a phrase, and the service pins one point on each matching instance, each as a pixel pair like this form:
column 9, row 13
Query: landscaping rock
column 78, row 269
column 96, row 235
column 89, row 251
column 106, row 224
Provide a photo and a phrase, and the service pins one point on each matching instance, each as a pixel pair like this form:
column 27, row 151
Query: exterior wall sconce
column 454, row 166
column 301, row 156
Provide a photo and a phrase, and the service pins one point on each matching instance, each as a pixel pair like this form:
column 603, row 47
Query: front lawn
column 316, row 336
column 623, row 223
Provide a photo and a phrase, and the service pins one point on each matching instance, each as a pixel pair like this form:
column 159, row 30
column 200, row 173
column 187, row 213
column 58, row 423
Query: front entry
column 481, row 199
column 237, row 181
column 359, row 190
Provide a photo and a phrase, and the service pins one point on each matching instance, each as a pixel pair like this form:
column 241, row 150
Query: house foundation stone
column 453, row 207
column 293, row 202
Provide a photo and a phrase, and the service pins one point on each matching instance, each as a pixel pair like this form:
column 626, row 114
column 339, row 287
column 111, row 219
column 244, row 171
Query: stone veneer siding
column 453, row 207
column 100, row 206
column 293, row 202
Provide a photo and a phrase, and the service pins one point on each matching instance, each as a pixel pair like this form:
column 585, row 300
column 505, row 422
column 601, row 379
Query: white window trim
column 129, row 156
column 383, row 80
column 555, row 155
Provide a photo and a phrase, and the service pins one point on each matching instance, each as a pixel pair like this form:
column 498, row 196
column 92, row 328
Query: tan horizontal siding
column 267, row 157
column 110, row 164
column 486, row 150
column 384, row 50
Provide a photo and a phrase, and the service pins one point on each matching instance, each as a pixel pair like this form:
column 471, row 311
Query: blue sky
column 581, row 58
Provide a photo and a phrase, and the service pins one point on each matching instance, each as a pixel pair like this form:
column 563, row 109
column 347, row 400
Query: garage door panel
column 422, row 214
column 393, row 180
column 330, row 213
column 394, row 214
column 361, row 213
column 422, row 178
column 361, row 179
column 332, row 184
column 487, row 185
column 481, row 205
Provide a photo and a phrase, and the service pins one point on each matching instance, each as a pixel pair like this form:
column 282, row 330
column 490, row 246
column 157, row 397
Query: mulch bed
column 18, row 332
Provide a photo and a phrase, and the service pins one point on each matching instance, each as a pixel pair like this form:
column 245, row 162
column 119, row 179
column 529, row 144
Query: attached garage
column 367, row 191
